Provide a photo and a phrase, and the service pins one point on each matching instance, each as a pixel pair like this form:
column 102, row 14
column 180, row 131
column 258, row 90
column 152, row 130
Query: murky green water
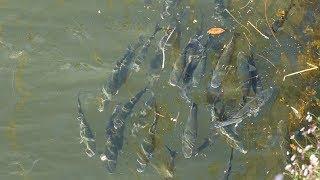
column 52, row 49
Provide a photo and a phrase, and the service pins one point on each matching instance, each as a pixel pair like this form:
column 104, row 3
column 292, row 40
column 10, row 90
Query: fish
column 244, row 75
column 226, row 132
column 277, row 24
column 142, row 54
column 255, row 79
column 200, row 71
column 187, row 62
column 187, row 77
column 87, row 136
column 115, row 131
column 190, row 133
column 155, row 67
column 225, row 58
column 114, row 142
column 148, row 145
column 231, row 137
column 228, row 171
column 144, row 112
column 251, row 108
column 120, row 73
column 127, row 109
column 214, row 88
column 178, row 68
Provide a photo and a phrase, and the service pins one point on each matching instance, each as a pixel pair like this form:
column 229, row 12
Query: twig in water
column 266, row 37
column 162, row 46
column 313, row 67
column 268, row 61
column 245, row 35
column 250, row 1
column 237, row 21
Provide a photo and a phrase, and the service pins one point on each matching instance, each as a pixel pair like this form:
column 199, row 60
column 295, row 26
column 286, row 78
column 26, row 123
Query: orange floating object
column 215, row 31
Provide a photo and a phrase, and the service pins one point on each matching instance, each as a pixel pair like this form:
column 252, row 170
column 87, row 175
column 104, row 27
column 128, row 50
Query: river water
column 52, row 49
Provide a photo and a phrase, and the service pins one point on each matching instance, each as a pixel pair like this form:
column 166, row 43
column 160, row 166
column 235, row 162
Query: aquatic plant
column 304, row 161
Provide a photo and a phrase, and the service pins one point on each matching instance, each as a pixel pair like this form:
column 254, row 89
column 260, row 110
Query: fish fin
column 172, row 153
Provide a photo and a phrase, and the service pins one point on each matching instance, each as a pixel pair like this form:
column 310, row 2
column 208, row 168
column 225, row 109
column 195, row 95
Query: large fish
column 115, row 131
column 225, row 58
column 187, row 76
column 120, row 73
column 214, row 89
column 155, row 66
column 142, row 54
column 251, row 108
column 202, row 66
column 244, row 75
column 255, row 79
column 127, row 109
column 148, row 145
column 187, row 63
column 190, row 133
column 277, row 24
column 232, row 138
column 86, row 135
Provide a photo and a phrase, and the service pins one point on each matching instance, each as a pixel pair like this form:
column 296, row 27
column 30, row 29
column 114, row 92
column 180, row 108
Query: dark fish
column 114, row 142
column 187, row 76
column 148, row 144
column 228, row 171
column 86, row 135
column 120, row 73
column 255, row 79
column 251, row 108
column 190, row 133
column 184, row 67
column 115, row 131
column 155, row 67
column 142, row 54
column 193, row 61
column 276, row 25
column 244, row 75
